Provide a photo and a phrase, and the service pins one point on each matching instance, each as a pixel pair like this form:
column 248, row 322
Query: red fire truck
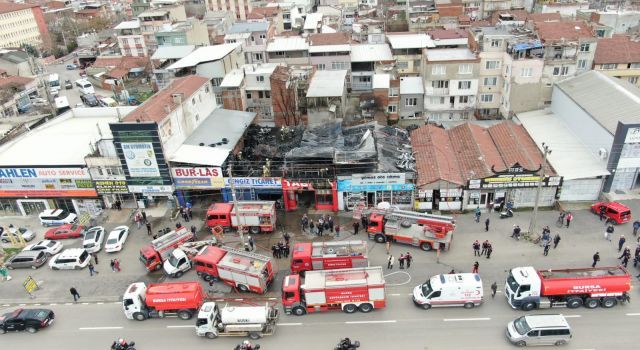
column 422, row 230
column 527, row 288
column 256, row 216
column 348, row 290
column 155, row 253
column 328, row 256
column 246, row 271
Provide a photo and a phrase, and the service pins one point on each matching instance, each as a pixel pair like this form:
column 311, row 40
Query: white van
column 70, row 259
column 539, row 330
column 57, row 217
column 460, row 289
column 85, row 87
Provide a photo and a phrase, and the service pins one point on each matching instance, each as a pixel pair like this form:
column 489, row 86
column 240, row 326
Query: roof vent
column 201, row 144
column 212, row 145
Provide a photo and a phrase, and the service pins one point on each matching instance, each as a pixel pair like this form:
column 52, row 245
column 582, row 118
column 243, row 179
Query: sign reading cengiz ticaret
column 140, row 159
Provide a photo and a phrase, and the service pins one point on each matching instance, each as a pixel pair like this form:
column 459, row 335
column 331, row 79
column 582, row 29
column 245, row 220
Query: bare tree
column 285, row 98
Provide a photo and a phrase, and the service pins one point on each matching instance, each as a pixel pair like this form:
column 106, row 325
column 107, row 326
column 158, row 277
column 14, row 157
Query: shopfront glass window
column 402, row 197
column 324, row 197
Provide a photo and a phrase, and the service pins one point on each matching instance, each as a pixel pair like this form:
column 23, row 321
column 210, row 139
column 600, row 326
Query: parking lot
column 72, row 95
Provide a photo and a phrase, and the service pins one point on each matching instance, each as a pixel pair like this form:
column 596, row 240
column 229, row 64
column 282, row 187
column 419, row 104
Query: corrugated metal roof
column 607, row 99
column 330, row 48
column 204, row 54
column 172, row 52
column 327, row 83
column 370, row 53
column 450, row 55
column 311, row 23
column 411, row 86
column 294, row 43
column 570, row 157
column 381, row 81
column 410, row 41
column 248, row 27
column 233, row 78
column 128, row 25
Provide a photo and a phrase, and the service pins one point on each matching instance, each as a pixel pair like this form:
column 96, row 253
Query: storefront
column 371, row 189
column 445, row 199
column 307, row 194
column 198, row 184
column 29, row 191
column 516, row 184
column 253, row 189
column 112, row 191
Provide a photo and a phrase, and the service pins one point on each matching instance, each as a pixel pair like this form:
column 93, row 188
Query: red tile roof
column 449, row 10
column 6, row 7
column 329, row 39
column 617, row 50
column 448, row 33
column 557, row 31
column 13, row 80
column 469, row 151
column 545, row 17
column 154, row 109
column 121, row 62
column 518, row 15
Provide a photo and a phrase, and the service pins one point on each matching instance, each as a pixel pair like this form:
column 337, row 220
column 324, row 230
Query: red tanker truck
column 328, row 256
column 348, row 290
column 161, row 300
column 527, row 288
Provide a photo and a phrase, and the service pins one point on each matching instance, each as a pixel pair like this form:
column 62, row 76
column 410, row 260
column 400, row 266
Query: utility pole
column 235, row 204
column 546, row 151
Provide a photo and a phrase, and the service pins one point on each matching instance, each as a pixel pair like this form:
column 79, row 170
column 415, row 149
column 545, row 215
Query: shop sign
column 378, row 179
column 141, row 159
column 348, row 186
column 451, row 192
column 198, row 177
column 111, row 186
column 46, row 182
column 254, row 182
column 513, row 181
column 296, row 185
column 633, row 135
column 151, row 189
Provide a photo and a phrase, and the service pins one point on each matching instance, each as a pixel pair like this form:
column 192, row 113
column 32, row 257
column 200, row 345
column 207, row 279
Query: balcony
column 431, row 91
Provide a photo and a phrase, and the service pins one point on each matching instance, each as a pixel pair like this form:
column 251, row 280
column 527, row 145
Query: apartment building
column 21, row 24
column 257, row 90
column 153, row 20
column 366, row 61
column 253, row 36
column 331, row 51
column 411, row 106
column 292, row 50
column 618, row 57
column 130, row 39
column 274, row 15
column 407, row 50
column 569, row 49
column 241, row 8
column 190, row 32
column 451, row 84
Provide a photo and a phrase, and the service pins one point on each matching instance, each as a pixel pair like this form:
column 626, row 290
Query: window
column 492, row 65
column 556, row 71
column 366, row 79
column 564, row 71
column 215, row 82
column 464, row 85
column 633, row 65
column 321, row 66
column 267, row 94
column 392, row 108
column 412, row 101
column 582, row 64
column 633, row 80
column 260, row 94
column 257, row 56
column 496, row 43
column 248, row 95
column 584, row 47
column 490, row 81
column 402, row 64
column 465, row 69
column 440, row 84
column 193, row 101
column 260, row 78
column 463, row 99
column 526, row 72
column 339, row 65
column 609, row 66
column 439, row 69
column 394, row 91
column 486, row 98
column 263, row 36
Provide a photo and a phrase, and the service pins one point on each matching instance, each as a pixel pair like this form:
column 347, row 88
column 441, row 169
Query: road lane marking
column 395, row 294
column 6, row 304
column 53, row 304
column 633, row 314
column 116, row 302
column 100, row 303
column 98, row 328
column 364, row 322
column 85, row 303
column 238, row 299
column 37, row 304
column 571, row 316
column 182, row 326
column 273, row 298
column 290, row 324
column 22, row 304
column 467, row 319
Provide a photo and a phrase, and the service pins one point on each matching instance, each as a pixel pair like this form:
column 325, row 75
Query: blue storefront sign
column 254, row 182
column 348, row 186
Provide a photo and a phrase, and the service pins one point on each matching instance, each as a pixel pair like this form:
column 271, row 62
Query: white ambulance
column 460, row 289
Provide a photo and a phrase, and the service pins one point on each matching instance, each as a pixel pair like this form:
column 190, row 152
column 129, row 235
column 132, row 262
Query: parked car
column 47, row 246
column 70, row 259
column 57, row 217
column 39, row 101
column 116, row 239
column 65, row 231
column 25, row 259
column 93, row 239
column 613, row 211
column 72, row 66
column 30, row 320
column 68, row 85
column 90, row 100
column 26, row 234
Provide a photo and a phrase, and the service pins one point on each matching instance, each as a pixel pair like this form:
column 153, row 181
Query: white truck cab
column 177, row 264
column 251, row 321
column 460, row 289
column 523, row 285
column 133, row 299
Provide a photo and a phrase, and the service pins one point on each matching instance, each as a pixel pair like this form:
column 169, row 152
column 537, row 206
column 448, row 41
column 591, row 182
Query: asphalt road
column 399, row 326
column 73, row 95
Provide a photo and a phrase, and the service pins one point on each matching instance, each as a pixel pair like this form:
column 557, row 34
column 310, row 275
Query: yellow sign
column 30, row 284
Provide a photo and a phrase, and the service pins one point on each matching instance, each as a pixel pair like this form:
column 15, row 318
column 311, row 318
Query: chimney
column 177, row 98
column 167, row 109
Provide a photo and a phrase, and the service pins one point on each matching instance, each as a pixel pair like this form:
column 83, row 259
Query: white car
column 47, row 246
column 93, row 239
column 70, row 259
column 116, row 239
column 26, row 234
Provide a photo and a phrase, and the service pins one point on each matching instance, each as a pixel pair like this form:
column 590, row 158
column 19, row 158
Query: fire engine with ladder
column 427, row 231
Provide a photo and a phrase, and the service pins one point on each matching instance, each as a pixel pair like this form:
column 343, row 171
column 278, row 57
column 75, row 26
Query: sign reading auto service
column 198, row 177
column 46, row 182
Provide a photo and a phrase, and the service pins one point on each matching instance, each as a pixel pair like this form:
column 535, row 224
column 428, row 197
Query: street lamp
column 546, row 151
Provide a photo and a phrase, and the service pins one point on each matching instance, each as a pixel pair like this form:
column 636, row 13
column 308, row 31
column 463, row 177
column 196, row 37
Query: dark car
column 30, row 320
column 90, row 100
column 67, row 84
